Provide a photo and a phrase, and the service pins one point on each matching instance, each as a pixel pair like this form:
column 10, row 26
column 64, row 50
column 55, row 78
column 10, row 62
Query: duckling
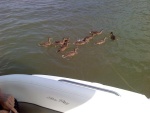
column 94, row 33
column 46, row 44
column 88, row 38
column 61, row 42
column 80, row 42
column 66, row 40
column 71, row 53
column 112, row 36
column 63, row 47
column 101, row 41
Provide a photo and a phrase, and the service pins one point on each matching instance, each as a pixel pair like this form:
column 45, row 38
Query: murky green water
column 124, row 63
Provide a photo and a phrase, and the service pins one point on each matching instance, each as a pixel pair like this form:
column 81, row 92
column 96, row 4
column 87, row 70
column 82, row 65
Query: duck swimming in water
column 94, row 33
column 71, row 53
column 60, row 42
column 64, row 46
column 112, row 36
column 80, row 42
column 46, row 44
column 101, row 41
column 88, row 38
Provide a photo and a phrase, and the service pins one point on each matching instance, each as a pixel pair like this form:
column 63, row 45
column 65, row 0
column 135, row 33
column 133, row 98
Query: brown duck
column 71, row 53
column 64, row 46
column 60, row 42
column 88, row 38
column 46, row 44
column 81, row 42
column 94, row 33
column 101, row 41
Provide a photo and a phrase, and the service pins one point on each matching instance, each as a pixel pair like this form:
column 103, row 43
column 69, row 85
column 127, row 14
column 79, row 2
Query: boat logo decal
column 63, row 101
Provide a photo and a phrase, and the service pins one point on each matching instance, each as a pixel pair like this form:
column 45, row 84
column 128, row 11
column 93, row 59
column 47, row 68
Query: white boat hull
column 73, row 96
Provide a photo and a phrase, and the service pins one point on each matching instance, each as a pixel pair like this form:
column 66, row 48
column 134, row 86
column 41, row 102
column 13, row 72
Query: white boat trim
column 73, row 96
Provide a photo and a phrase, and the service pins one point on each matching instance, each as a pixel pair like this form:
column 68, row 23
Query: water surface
column 124, row 63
